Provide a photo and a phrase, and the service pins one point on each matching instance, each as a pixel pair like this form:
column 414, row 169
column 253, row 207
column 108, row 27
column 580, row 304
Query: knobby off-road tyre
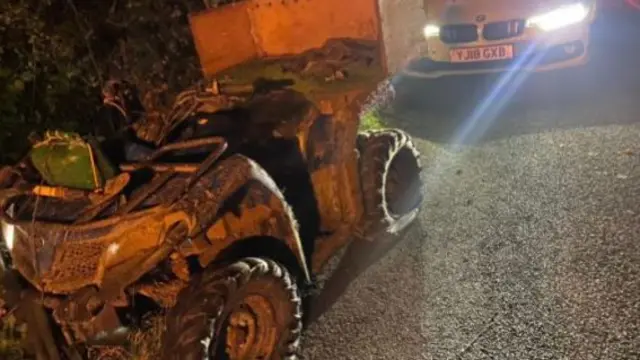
column 253, row 303
column 390, row 171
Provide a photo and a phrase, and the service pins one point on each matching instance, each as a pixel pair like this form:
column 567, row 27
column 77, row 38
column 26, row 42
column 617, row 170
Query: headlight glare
column 431, row 31
column 560, row 17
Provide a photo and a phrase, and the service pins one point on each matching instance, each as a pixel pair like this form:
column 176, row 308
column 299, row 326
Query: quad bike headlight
column 8, row 231
column 560, row 17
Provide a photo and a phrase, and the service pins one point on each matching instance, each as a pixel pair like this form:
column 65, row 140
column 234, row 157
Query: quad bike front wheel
column 249, row 310
column 391, row 183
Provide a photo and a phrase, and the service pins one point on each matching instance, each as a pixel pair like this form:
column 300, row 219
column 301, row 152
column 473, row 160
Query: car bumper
column 532, row 51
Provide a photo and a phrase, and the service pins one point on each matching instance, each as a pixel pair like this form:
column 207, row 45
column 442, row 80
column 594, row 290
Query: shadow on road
column 456, row 109
column 358, row 257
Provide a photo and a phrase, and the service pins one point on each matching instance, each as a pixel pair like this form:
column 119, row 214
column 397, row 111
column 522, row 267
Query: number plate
column 485, row 53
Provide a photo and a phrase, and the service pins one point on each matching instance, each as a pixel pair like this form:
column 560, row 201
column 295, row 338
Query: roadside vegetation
column 56, row 54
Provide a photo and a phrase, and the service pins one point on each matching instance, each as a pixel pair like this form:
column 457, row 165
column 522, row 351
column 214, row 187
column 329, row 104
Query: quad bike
column 223, row 228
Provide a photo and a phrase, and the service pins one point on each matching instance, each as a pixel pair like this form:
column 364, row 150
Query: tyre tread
column 187, row 316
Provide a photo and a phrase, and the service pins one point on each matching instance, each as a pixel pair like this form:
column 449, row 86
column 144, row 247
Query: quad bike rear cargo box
column 334, row 50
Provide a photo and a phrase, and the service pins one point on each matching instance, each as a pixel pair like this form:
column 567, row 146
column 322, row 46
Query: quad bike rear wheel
column 249, row 310
column 391, row 183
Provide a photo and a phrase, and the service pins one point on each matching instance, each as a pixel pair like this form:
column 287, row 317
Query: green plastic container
column 66, row 159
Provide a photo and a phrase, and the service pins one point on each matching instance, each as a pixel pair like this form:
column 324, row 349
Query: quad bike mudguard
column 259, row 211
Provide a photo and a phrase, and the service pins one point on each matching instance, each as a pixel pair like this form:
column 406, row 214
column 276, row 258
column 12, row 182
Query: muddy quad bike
column 223, row 228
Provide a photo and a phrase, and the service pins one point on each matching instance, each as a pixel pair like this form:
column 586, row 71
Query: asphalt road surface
column 528, row 246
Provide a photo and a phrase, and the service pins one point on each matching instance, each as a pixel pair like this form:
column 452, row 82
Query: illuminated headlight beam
column 494, row 102
column 559, row 18
column 431, row 31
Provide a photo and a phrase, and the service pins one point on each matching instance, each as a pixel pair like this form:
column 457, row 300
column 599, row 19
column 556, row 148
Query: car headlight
column 560, row 17
column 431, row 31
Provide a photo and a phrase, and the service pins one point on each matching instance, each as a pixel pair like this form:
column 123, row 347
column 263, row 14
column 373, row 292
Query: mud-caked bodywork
column 264, row 175
column 102, row 264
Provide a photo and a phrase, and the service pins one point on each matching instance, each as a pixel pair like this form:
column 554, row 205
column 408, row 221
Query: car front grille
column 456, row 34
column 464, row 33
column 503, row 29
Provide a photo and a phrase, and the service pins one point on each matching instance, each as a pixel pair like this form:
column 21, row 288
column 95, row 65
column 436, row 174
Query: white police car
column 484, row 36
